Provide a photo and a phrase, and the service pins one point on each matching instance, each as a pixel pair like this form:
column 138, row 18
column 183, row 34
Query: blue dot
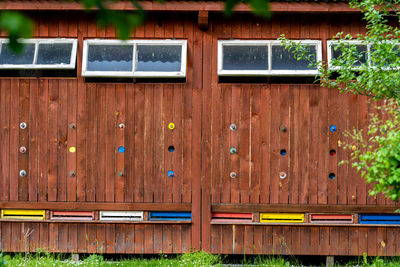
column 121, row 149
column 332, row 128
column 332, row 176
column 170, row 174
column 283, row 152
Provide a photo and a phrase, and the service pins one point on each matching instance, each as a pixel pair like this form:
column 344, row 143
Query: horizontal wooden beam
column 306, row 224
column 182, row 6
column 89, row 206
column 303, row 208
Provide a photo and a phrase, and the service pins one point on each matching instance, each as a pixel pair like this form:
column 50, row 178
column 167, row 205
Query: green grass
column 47, row 259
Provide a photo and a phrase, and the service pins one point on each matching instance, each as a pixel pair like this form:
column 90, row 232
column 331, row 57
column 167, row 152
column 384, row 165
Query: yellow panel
column 282, row 217
column 23, row 214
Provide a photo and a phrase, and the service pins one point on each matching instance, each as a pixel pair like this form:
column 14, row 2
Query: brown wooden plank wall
column 50, row 105
column 304, row 240
column 202, row 110
column 95, row 238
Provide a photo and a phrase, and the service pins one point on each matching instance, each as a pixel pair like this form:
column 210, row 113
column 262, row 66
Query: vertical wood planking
column 52, row 141
column 72, row 88
column 138, row 175
column 23, row 140
column 120, row 111
column 265, row 121
column 43, row 131
column 33, row 158
column 244, row 153
column 129, row 143
column 255, row 130
column 111, row 179
column 63, row 146
column 284, row 161
column 5, row 137
column 101, row 142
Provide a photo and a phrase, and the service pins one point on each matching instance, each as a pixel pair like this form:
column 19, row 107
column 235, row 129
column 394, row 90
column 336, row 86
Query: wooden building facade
column 78, row 181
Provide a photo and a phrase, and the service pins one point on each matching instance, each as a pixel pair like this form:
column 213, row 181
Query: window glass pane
column 24, row 58
column 54, row 53
column 246, row 57
column 361, row 49
column 282, row 59
column 159, row 58
column 110, row 58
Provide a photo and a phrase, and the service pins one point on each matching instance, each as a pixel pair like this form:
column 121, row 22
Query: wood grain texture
column 202, row 109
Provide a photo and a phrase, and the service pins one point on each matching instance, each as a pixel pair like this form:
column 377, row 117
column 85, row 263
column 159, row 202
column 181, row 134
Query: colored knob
column 283, row 128
column 332, row 128
column 233, row 175
column 233, row 150
column 120, row 173
column 282, row 175
column 72, row 149
column 22, row 173
column 72, row 125
column 283, row 152
column 233, row 127
column 22, row 149
column 23, row 125
column 332, row 176
column 171, row 126
column 170, row 174
column 171, row 148
column 121, row 125
column 332, row 152
column 121, row 149
column 72, row 174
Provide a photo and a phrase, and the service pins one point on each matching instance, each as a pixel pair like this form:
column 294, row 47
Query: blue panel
column 379, row 219
column 169, row 216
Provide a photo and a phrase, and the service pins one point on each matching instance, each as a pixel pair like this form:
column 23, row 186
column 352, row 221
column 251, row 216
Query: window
column 40, row 54
column 263, row 58
column 334, row 52
column 366, row 53
column 134, row 58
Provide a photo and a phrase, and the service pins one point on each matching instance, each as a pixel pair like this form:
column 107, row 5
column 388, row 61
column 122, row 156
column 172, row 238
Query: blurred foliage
column 18, row 25
column 376, row 74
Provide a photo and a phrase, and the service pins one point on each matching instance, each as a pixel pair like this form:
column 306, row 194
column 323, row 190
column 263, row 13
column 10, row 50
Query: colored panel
column 232, row 217
column 331, row 218
column 121, row 215
column 23, row 214
column 379, row 219
column 282, row 217
column 72, row 215
column 169, row 216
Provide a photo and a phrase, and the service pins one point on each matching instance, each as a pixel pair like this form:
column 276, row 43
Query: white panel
column 121, row 216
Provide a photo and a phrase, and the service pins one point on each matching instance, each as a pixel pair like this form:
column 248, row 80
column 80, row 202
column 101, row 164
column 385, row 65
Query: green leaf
column 260, row 8
column 18, row 26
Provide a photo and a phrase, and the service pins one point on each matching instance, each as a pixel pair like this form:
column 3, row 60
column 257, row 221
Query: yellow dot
column 171, row 126
column 354, row 148
column 72, row 149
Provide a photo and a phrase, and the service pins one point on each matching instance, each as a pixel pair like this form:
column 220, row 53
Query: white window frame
column 330, row 43
column 142, row 74
column 72, row 61
column 270, row 71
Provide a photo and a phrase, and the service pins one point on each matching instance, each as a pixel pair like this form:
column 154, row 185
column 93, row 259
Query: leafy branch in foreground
column 376, row 153
column 369, row 65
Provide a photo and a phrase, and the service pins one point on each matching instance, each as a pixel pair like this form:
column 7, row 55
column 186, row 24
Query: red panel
column 72, row 215
column 232, row 217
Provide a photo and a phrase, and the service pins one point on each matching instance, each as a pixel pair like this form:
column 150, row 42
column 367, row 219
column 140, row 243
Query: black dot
column 332, row 152
column 283, row 152
column 332, row 176
column 171, row 148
